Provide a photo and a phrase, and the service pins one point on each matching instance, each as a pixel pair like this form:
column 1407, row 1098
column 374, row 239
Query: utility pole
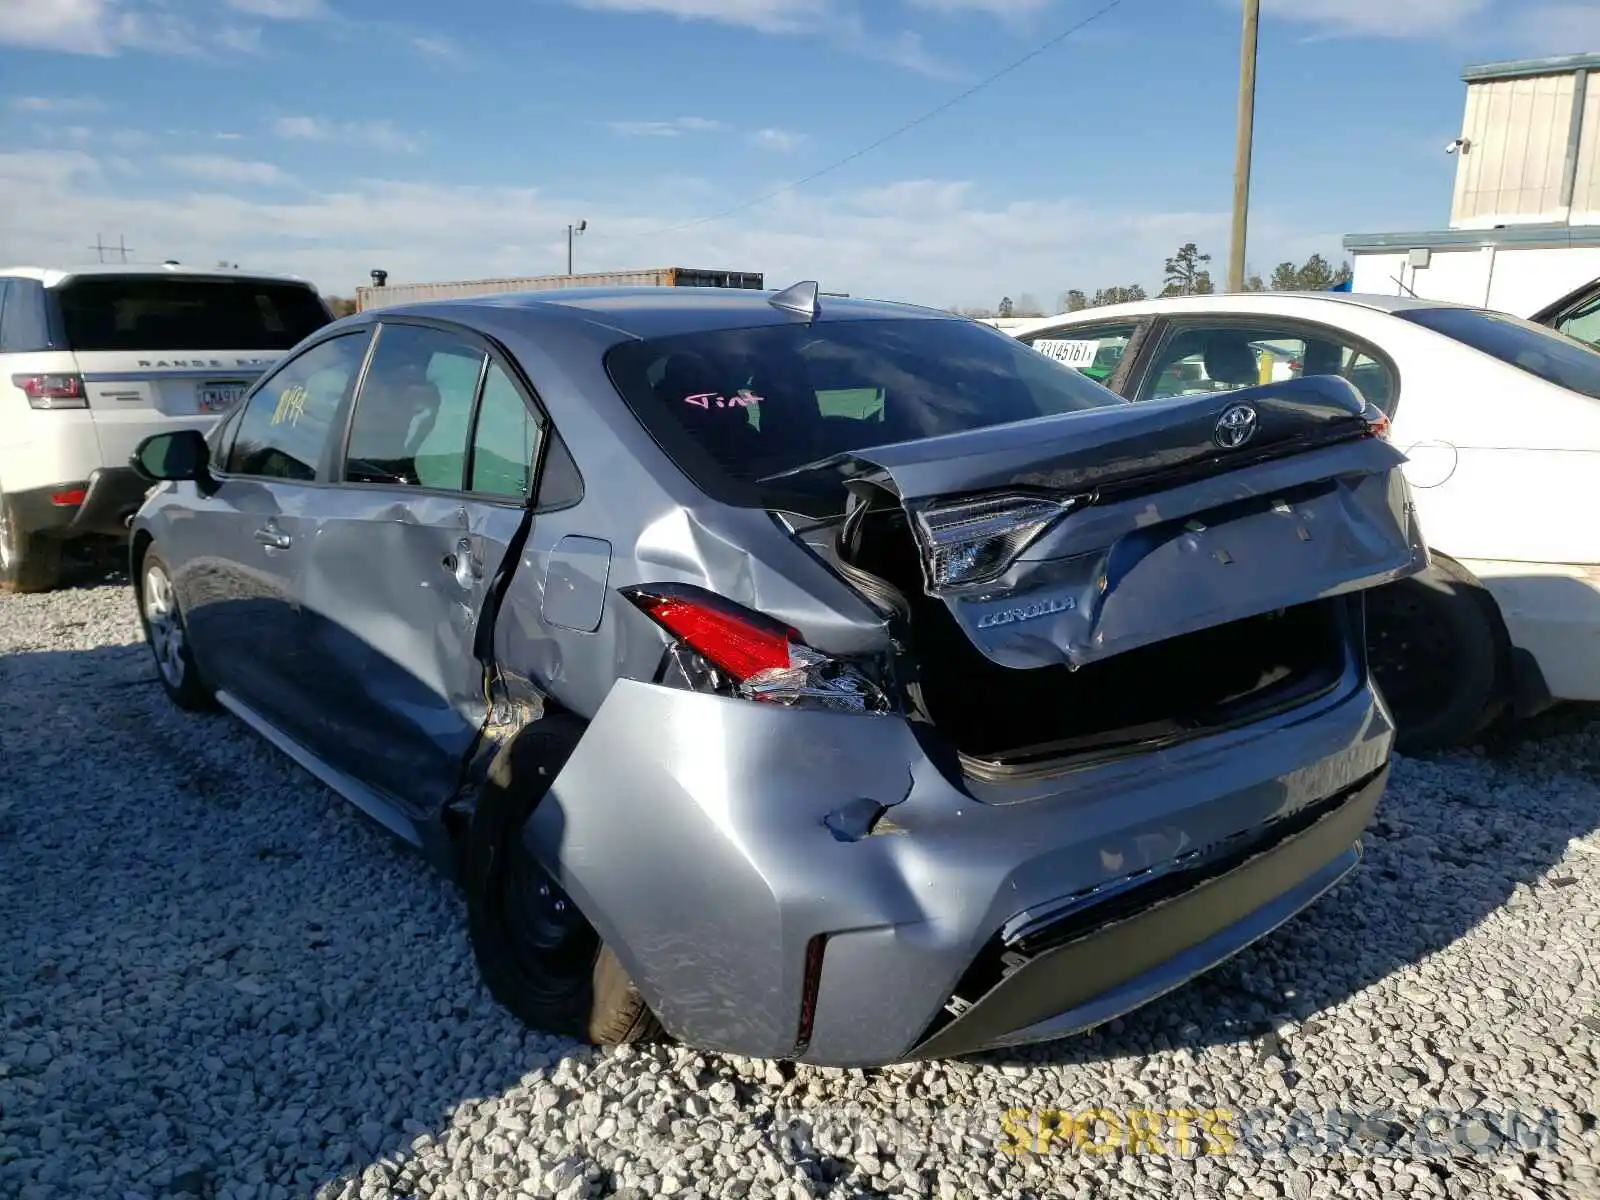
column 571, row 230
column 1246, row 136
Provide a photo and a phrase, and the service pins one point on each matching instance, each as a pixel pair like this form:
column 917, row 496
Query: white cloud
column 281, row 10
column 1559, row 28
column 216, row 168
column 1380, row 18
column 77, row 26
column 435, row 46
column 673, row 128
column 375, row 135
column 782, row 141
column 935, row 241
column 838, row 21
column 108, row 27
column 56, row 104
column 767, row 16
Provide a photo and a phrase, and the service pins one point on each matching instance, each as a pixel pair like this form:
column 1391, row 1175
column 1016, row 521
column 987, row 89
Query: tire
column 1435, row 647
column 28, row 562
column 538, row 955
column 167, row 635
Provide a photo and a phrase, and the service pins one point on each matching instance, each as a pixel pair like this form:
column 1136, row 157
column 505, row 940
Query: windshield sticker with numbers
column 1077, row 354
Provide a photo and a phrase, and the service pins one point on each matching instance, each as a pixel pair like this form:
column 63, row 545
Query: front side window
column 159, row 313
column 415, row 408
column 1524, row 345
column 285, row 425
column 1197, row 359
column 1096, row 350
column 732, row 406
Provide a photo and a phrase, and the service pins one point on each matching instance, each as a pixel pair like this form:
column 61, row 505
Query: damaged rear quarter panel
column 690, row 828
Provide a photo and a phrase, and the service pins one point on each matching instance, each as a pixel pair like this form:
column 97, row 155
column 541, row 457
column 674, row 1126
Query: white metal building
column 1525, row 219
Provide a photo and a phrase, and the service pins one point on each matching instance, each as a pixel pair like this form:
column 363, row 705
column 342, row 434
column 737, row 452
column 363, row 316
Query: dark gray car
column 826, row 680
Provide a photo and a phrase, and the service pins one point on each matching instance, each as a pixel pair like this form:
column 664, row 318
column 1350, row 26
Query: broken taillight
column 1377, row 420
column 753, row 656
column 975, row 541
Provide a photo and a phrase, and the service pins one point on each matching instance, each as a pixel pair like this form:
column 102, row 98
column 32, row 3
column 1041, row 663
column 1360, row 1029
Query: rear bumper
column 1112, row 968
column 704, row 839
column 111, row 495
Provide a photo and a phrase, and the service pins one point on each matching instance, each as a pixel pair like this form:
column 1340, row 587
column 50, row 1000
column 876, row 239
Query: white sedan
column 1500, row 419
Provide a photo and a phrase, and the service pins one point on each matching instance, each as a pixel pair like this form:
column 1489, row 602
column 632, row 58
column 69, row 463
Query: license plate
column 214, row 397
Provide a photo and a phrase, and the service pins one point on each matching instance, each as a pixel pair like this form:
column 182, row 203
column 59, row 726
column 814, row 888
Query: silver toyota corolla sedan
column 807, row 678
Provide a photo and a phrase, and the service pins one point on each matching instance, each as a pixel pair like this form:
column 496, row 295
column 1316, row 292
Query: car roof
column 1240, row 302
column 648, row 312
column 55, row 276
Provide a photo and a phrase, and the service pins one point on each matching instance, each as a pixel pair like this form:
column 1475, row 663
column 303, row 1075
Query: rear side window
column 285, row 424
column 1583, row 322
column 161, row 314
column 23, row 324
column 505, row 442
column 1522, row 344
column 1096, row 351
column 1197, row 358
column 731, row 406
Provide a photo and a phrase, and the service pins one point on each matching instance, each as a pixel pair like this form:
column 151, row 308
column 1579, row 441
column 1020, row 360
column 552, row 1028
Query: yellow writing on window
column 291, row 406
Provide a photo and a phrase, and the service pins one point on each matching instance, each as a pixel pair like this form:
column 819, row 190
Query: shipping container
column 413, row 293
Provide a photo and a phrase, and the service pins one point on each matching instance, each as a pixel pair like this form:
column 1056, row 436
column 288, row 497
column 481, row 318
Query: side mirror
column 182, row 454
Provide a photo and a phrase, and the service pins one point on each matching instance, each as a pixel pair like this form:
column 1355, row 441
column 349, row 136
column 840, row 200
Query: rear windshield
column 731, row 406
column 1551, row 356
column 150, row 314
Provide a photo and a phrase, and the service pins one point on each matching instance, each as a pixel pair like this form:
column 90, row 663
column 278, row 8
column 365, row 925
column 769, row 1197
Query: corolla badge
column 1026, row 612
column 1235, row 427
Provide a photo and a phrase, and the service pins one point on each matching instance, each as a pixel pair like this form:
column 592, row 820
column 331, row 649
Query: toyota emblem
column 1235, row 427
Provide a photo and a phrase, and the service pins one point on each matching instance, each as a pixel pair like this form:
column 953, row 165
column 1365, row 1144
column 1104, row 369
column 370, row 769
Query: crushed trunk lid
column 1069, row 539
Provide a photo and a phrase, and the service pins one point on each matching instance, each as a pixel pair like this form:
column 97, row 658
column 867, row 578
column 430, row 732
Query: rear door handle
column 273, row 538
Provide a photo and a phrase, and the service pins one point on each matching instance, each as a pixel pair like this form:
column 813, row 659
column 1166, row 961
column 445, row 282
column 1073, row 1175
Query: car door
column 1101, row 350
column 240, row 549
column 1222, row 353
column 435, row 475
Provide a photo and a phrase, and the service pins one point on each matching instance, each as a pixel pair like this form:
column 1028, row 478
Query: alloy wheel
column 165, row 626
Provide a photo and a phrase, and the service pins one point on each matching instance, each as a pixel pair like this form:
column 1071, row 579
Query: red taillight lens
column 52, row 391
column 70, row 499
column 763, row 659
column 740, row 647
column 1377, row 421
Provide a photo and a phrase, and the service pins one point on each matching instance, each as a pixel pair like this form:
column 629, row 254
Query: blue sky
column 438, row 141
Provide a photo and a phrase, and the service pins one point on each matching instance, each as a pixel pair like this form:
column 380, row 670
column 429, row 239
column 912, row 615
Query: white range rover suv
column 92, row 361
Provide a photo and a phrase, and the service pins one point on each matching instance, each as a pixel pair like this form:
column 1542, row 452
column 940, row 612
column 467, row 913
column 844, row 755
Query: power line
column 892, row 134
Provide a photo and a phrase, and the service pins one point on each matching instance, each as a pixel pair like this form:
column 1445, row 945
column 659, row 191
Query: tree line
column 1186, row 274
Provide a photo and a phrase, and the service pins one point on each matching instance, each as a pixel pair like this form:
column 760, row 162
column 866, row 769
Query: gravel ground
column 217, row 980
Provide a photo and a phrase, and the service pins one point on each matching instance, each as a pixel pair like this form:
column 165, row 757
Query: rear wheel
column 1435, row 650
column 538, row 955
column 28, row 562
column 168, row 636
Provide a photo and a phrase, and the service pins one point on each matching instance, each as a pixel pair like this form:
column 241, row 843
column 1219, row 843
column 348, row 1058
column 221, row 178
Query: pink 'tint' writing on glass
column 741, row 399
